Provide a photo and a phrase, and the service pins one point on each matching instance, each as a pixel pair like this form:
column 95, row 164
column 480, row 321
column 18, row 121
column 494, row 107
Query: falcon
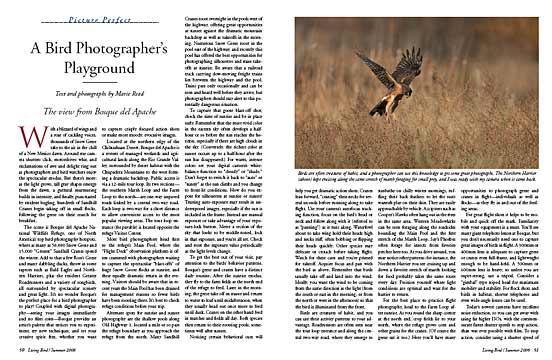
column 397, row 83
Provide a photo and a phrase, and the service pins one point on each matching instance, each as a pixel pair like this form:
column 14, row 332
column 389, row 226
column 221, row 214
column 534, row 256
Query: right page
column 418, row 203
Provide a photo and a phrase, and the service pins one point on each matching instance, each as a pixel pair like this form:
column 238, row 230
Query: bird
column 398, row 83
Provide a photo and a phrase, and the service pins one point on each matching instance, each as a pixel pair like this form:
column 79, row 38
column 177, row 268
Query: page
column 262, row 180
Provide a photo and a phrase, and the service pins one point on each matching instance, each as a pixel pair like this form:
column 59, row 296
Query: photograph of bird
column 398, row 83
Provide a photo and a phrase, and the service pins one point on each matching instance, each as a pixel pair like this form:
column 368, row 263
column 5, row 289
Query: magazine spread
column 249, row 180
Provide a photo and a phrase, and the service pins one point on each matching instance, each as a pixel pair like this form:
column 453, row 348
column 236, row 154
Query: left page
column 138, row 156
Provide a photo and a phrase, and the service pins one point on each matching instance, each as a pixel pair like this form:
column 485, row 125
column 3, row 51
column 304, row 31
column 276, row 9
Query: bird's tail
column 379, row 108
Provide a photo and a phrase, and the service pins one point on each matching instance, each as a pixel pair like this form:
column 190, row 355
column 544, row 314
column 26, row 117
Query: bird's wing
column 379, row 71
column 409, row 67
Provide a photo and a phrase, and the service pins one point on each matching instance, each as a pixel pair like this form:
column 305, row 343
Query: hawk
column 397, row 83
